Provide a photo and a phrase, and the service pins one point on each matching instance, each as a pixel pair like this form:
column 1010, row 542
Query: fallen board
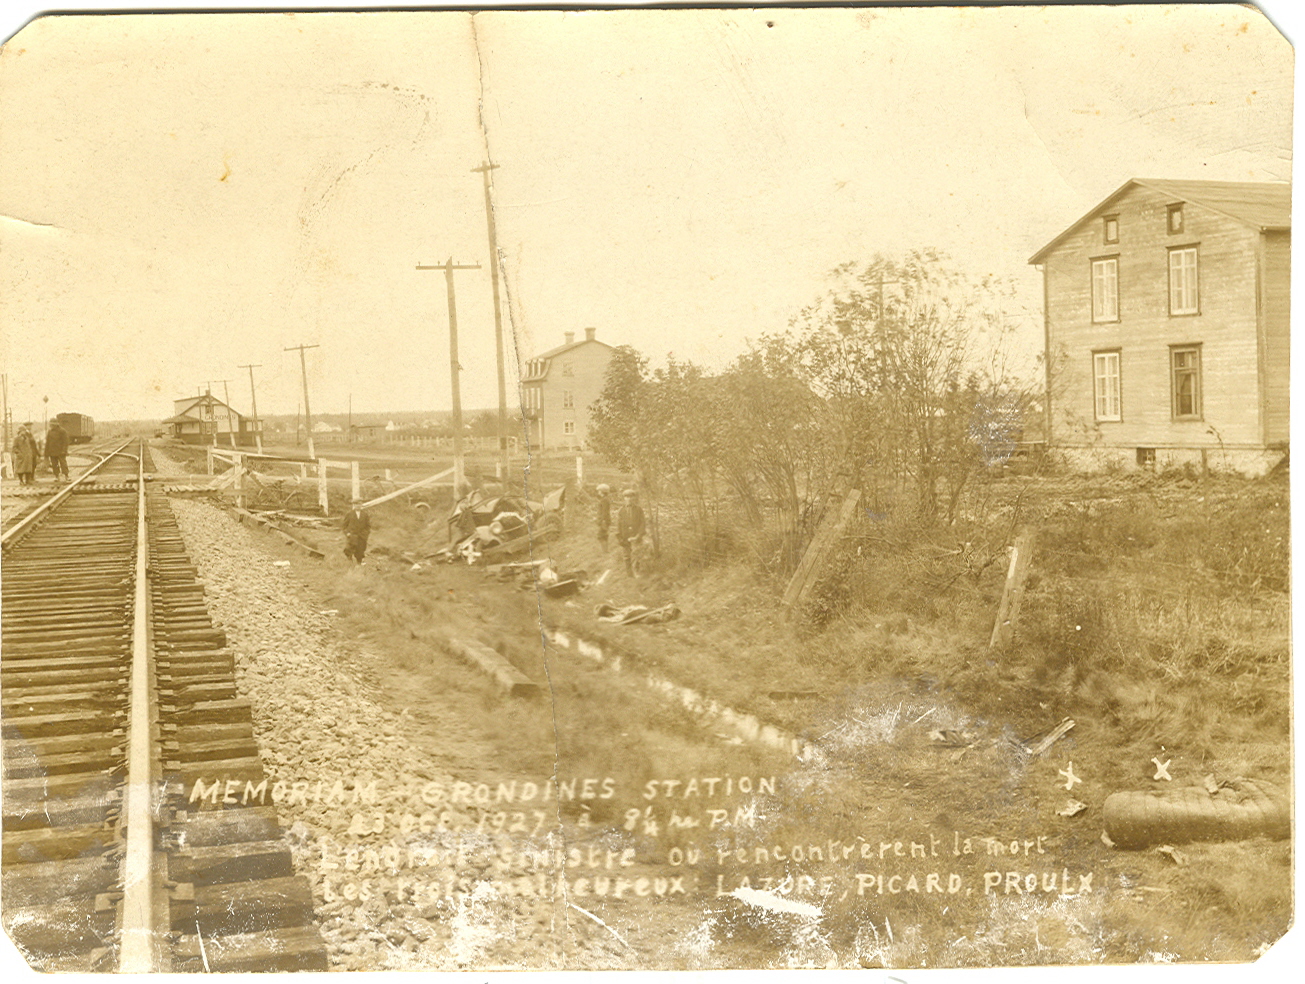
column 508, row 677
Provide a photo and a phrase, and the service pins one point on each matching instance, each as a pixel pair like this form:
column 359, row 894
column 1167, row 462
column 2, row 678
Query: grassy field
column 1156, row 617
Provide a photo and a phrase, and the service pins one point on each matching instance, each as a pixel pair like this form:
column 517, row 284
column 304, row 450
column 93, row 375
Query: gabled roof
column 182, row 418
column 1262, row 205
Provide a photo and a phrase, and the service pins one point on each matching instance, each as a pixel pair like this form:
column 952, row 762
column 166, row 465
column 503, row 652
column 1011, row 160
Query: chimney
column 570, row 337
column 589, row 334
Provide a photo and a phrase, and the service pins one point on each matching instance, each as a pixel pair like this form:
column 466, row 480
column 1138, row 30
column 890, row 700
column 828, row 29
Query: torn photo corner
column 674, row 490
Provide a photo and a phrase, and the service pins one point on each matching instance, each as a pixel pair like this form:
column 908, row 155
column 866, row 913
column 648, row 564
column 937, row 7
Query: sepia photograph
column 785, row 488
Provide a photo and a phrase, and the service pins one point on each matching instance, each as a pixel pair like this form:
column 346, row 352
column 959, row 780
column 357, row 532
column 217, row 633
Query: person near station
column 25, row 455
column 629, row 527
column 604, row 514
column 56, row 450
column 357, row 528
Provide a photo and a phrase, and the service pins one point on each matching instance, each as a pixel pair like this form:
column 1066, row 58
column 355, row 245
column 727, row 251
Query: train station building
column 207, row 420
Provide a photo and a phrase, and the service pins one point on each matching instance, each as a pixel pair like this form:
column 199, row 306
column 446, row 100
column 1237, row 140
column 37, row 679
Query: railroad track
column 118, row 693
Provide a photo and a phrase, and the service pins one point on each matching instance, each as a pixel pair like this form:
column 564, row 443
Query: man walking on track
column 629, row 527
column 56, row 449
column 357, row 528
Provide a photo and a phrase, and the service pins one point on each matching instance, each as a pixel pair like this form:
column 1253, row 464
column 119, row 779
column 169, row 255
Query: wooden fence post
column 322, row 499
column 1008, row 612
column 355, row 480
column 822, row 544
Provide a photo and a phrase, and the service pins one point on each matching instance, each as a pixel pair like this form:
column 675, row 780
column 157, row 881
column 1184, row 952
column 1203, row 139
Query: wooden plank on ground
column 817, row 552
column 507, row 676
column 1008, row 612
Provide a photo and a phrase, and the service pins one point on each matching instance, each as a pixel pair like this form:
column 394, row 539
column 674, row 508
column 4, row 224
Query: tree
column 892, row 348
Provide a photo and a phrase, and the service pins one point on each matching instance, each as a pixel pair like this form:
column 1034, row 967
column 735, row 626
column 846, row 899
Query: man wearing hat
column 629, row 527
column 604, row 514
column 25, row 455
column 357, row 528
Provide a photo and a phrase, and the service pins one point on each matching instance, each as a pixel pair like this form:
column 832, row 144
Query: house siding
column 1226, row 329
column 588, row 362
column 1276, row 303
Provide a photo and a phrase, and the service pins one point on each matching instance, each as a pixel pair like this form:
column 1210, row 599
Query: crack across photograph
column 822, row 517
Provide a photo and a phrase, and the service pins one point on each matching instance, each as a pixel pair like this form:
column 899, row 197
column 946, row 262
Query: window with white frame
column 1105, row 376
column 1183, row 297
column 1105, row 289
column 1185, row 381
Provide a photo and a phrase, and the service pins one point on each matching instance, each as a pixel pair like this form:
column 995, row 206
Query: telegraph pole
column 231, row 432
column 308, row 414
column 4, row 415
column 454, row 368
column 209, row 388
column 253, row 399
column 484, row 169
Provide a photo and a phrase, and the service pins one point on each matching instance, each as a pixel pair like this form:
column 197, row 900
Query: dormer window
column 1110, row 228
column 1176, row 218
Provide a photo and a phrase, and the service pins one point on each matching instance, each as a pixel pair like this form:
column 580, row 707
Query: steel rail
column 26, row 523
column 139, row 940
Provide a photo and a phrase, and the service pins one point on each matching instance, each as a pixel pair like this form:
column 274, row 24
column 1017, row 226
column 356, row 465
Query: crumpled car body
column 502, row 524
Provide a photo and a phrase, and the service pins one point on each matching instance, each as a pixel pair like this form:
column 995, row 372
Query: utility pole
column 4, row 379
column 253, row 399
column 208, row 389
column 231, row 427
column 308, row 414
column 484, row 169
column 459, row 468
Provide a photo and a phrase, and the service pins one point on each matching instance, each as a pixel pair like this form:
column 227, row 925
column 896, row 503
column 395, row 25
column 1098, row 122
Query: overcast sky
column 185, row 194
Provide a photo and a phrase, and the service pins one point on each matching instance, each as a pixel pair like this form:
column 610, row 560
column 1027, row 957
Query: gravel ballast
column 402, row 877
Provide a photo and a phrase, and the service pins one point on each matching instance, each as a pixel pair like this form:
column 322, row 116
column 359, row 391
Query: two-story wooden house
column 558, row 388
column 1167, row 327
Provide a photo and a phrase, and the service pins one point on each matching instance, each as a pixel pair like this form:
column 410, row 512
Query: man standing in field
column 56, row 449
column 629, row 527
column 604, row 512
column 357, row 528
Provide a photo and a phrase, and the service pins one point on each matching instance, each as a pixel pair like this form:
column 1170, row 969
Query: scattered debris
column 607, row 612
column 1162, row 770
column 1038, row 744
column 1174, row 855
column 280, row 563
column 1105, row 839
column 1072, row 809
column 952, row 739
column 482, row 527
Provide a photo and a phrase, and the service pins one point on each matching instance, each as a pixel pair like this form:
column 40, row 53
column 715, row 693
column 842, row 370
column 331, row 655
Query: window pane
column 1182, row 281
column 1106, row 385
column 1105, row 290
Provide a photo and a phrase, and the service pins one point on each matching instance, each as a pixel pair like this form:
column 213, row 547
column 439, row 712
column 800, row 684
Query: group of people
column 630, row 525
column 27, row 453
